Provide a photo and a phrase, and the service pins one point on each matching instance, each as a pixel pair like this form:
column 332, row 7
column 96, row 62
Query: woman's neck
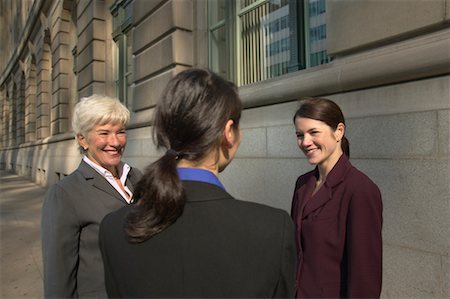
column 203, row 164
column 326, row 167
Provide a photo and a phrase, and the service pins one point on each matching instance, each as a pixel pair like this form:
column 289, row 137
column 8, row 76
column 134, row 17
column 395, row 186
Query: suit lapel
column 325, row 193
column 305, row 194
column 97, row 181
column 322, row 196
column 132, row 180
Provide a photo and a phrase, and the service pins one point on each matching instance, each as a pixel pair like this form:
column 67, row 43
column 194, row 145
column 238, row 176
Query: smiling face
column 104, row 145
column 319, row 142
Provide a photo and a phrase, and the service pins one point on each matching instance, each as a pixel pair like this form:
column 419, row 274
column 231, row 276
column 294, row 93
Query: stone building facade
column 388, row 67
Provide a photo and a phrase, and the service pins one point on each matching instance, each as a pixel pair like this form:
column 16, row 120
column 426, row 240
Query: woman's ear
column 229, row 133
column 82, row 141
column 339, row 132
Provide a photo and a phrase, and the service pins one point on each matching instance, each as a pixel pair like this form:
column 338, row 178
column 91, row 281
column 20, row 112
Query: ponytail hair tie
column 173, row 153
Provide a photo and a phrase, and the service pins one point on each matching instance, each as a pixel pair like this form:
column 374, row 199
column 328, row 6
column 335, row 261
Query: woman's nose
column 113, row 140
column 305, row 141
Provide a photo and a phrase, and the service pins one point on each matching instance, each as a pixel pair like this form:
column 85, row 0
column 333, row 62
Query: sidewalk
column 20, row 244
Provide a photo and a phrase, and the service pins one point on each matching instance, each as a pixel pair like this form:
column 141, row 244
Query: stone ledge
column 400, row 62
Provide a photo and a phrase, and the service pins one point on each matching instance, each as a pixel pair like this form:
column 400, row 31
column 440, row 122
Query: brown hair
column 188, row 121
column 324, row 110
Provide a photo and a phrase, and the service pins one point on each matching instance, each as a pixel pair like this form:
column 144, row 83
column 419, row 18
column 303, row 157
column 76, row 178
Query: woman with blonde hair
column 74, row 207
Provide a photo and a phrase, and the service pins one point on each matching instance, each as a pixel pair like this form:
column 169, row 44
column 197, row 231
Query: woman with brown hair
column 186, row 236
column 337, row 211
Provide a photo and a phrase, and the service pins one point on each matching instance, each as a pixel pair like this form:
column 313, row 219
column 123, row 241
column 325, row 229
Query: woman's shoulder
column 118, row 214
column 73, row 178
column 359, row 179
column 258, row 221
column 254, row 210
column 301, row 180
column 67, row 184
column 135, row 173
column 362, row 188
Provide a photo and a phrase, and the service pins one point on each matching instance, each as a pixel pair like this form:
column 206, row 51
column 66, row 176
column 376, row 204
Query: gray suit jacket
column 71, row 214
column 220, row 247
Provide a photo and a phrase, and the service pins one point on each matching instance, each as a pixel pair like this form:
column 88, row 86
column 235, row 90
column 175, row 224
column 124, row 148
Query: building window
column 121, row 11
column 255, row 40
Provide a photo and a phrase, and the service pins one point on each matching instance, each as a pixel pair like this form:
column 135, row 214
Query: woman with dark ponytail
column 186, row 236
column 337, row 210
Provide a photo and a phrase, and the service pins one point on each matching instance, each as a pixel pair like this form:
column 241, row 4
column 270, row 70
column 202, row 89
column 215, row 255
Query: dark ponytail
column 324, row 110
column 188, row 121
column 160, row 184
column 345, row 145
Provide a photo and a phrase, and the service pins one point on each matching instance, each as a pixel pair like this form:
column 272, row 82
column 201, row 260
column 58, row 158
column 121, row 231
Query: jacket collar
column 324, row 194
column 339, row 171
column 199, row 175
column 201, row 191
column 97, row 181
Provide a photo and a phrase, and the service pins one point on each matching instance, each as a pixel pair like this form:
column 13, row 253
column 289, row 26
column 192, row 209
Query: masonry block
column 95, row 30
column 95, row 10
column 444, row 132
column 282, row 142
column 92, row 88
column 147, row 93
column 402, row 135
column 165, row 53
column 142, row 8
column 61, row 38
column 134, row 147
column 62, row 66
column 366, row 22
column 93, row 51
column 416, row 197
column 93, row 72
column 173, row 14
column 253, row 143
column 267, row 181
column 62, row 51
column 425, row 283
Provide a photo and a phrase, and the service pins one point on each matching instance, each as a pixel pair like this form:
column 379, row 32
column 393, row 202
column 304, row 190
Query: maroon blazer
column 338, row 234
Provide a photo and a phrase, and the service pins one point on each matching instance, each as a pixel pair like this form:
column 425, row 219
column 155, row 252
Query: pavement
column 20, row 244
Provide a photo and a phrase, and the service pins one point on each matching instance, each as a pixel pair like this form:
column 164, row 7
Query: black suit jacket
column 219, row 248
column 71, row 215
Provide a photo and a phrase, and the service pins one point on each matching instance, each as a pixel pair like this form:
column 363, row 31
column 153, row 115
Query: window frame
column 121, row 12
column 299, row 37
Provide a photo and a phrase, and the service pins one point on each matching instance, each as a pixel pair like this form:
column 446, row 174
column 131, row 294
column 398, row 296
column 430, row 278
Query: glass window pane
column 250, row 40
column 129, row 69
column 116, row 67
column 129, row 53
column 317, row 33
column 264, row 41
column 123, row 54
column 218, row 57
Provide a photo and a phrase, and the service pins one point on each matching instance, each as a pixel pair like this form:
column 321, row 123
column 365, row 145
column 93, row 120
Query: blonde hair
column 98, row 110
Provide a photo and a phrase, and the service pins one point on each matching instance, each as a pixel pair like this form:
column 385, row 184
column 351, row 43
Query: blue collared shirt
column 199, row 175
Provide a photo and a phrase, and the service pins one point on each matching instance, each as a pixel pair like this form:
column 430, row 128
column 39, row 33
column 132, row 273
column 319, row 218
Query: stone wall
column 390, row 74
